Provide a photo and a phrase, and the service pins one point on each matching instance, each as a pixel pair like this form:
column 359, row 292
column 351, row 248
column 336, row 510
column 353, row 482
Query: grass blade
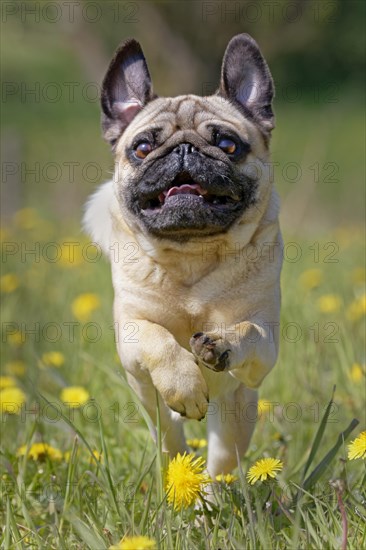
column 93, row 541
column 69, row 423
column 320, row 468
column 10, row 521
column 69, row 481
column 318, row 436
column 244, row 487
column 106, row 468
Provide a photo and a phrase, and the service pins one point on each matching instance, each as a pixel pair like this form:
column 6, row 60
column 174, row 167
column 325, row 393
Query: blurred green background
column 54, row 56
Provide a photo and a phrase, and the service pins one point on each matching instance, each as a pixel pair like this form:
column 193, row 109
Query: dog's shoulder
column 97, row 220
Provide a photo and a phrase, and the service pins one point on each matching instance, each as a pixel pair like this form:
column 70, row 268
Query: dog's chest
column 180, row 300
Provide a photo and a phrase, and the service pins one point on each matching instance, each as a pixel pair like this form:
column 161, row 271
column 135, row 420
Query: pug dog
column 190, row 225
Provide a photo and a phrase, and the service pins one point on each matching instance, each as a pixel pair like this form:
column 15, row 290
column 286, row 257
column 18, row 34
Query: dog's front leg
column 247, row 350
column 172, row 369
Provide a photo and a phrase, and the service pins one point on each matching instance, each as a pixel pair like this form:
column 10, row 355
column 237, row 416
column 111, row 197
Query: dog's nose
column 185, row 149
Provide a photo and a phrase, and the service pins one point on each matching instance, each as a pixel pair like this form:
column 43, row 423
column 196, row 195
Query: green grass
column 79, row 501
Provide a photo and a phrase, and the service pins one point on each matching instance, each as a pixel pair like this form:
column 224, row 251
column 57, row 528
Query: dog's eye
column 227, row 145
column 143, row 149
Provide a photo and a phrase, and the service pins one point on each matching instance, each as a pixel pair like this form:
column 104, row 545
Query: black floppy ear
column 246, row 79
column 126, row 89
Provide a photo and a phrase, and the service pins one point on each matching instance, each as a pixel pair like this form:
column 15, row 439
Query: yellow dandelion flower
column 15, row 367
column 329, row 303
column 71, row 253
column 226, row 478
column 84, row 305
column 263, row 469
column 7, row 382
column 311, row 278
column 67, row 455
column 134, row 543
column 39, row 451
column 357, row 373
column 16, row 338
column 11, row 400
column 74, row 396
column 26, row 218
column 97, row 455
column 9, row 283
column 185, row 480
column 53, row 359
column 357, row 308
column 4, row 234
column 197, row 443
column 357, row 447
column 264, row 406
column 359, row 276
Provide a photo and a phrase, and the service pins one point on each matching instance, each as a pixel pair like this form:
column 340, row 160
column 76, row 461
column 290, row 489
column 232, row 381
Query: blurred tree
column 315, row 49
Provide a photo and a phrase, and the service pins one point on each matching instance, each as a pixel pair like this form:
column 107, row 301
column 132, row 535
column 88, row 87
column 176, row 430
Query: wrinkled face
column 189, row 166
column 185, row 166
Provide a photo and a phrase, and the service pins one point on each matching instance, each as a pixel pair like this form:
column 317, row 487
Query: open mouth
column 184, row 188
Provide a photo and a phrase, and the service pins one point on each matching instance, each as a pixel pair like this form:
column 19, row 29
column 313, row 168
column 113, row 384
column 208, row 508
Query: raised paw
column 184, row 391
column 209, row 352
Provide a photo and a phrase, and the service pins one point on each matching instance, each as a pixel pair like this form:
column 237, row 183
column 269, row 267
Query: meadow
column 78, row 467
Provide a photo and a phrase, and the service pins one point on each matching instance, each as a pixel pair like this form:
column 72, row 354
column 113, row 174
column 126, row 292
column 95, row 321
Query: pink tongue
column 186, row 189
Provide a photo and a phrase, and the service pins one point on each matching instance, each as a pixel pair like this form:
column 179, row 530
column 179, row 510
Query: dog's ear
column 246, row 79
column 126, row 89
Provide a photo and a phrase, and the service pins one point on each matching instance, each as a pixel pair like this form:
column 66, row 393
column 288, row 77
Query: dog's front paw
column 211, row 353
column 185, row 392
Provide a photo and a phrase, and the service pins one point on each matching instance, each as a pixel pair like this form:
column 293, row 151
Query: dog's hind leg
column 171, row 423
column 230, row 424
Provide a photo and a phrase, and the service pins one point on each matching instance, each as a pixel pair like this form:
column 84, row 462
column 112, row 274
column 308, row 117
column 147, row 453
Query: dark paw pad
column 208, row 352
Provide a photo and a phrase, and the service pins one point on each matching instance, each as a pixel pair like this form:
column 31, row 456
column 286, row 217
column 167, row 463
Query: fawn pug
column 193, row 205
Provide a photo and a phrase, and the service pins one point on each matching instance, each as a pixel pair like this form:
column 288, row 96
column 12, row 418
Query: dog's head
column 189, row 166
